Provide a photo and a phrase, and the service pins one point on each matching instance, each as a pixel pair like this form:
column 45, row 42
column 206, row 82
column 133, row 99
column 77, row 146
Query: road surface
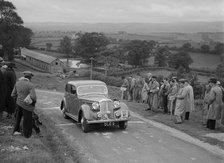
column 140, row 142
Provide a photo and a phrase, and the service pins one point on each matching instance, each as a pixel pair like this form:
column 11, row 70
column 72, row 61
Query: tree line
column 135, row 52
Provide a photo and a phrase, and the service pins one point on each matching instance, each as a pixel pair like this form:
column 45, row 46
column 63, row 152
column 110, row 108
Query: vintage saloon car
column 87, row 102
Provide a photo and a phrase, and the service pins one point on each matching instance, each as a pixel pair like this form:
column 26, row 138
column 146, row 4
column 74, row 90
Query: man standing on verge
column 139, row 83
column 23, row 89
column 153, row 94
column 10, row 80
column 2, row 90
column 215, row 104
column 165, row 92
column 180, row 106
column 189, row 99
column 147, row 87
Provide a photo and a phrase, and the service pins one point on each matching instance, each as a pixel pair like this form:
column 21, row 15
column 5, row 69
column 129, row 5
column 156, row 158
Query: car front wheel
column 85, row 126
column 123, row 125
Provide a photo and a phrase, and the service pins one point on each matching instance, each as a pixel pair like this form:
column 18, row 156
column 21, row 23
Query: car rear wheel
column 123, row 125
column 63, row 112
column 85, row 126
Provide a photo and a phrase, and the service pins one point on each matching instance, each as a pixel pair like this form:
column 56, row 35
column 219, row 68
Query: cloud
column 119, row 10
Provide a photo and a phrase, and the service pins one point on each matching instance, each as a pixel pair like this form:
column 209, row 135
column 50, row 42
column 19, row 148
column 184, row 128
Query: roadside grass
column 20, row 149
column 50, row 148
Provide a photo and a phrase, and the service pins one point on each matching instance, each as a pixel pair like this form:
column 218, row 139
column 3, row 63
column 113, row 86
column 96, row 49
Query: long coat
column 180, row 106
column 10, row 80
column 153, row 94
column 189, row 98
column 215, row 103
column 2, row 92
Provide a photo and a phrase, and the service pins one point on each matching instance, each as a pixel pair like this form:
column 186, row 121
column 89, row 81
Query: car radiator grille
column 106, row 108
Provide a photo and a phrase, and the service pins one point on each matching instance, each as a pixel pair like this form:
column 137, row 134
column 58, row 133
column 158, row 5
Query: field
column 40, row 42
column 204, row 61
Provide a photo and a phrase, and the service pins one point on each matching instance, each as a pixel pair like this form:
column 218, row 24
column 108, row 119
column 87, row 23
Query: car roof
column 86, row 82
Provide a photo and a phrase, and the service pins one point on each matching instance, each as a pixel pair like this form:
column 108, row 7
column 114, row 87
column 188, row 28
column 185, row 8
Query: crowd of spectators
column 176, row 97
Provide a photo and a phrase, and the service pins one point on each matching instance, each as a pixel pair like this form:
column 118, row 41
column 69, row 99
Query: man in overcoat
column 10, row 80
column 153, row 94
column 215, row 104
column 2, row 90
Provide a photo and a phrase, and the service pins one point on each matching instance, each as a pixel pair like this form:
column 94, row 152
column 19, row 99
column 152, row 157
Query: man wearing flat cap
column 215, row 104
column 25, row 96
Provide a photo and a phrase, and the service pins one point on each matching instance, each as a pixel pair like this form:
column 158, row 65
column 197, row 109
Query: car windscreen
column 92, row 89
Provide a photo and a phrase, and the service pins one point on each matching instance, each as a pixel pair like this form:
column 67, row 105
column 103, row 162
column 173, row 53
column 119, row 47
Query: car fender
column 63, row 101
column 85, row 110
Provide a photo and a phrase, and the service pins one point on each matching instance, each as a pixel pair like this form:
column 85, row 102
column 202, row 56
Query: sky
column 119, row 11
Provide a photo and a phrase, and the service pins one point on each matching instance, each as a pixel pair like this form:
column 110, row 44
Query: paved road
column 140, row 142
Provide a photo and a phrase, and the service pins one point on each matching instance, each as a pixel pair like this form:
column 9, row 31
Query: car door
column 74, row 101
column 67, row 97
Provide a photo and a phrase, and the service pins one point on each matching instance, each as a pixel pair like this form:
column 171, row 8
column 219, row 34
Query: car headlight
column 96, row 106
column 117, row 104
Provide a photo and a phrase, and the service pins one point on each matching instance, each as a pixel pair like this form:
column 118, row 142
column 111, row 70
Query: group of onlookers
column 18, row 98
column 175, row 97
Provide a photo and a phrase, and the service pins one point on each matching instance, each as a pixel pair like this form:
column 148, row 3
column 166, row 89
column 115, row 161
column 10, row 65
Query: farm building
column 45, row 62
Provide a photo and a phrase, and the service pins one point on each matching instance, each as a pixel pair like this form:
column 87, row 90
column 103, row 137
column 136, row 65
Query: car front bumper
column 108, row 120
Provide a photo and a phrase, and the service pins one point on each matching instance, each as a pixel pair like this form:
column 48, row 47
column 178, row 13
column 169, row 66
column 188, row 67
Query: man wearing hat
column 215, row 104
column 10, row 80
column 25, row 96
column 189, row 99
column 2, row 90
column 180, row 107
column 153, row 94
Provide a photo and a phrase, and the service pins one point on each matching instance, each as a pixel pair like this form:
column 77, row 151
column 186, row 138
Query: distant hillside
column 140, row 28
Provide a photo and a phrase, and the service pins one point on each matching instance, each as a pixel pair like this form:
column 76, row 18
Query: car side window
column 68, row 88
column 73, row 90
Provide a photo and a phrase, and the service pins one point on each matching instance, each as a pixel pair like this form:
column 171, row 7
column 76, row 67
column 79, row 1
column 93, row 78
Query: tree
column 138, row 51
column 219, row 48
column 12, row 32
column 180, row 59
column 108, row 58
column 66, row 46
column 186, row 46
column 88, row 45
column 161, row 56
column 205, row 48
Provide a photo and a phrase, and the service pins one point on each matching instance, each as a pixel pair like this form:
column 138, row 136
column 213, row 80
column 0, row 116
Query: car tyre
column 63, row 112
column 123, row 125
column 85, row 126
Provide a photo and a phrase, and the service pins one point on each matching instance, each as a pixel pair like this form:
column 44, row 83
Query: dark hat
column 213, row 80
column 28, row 73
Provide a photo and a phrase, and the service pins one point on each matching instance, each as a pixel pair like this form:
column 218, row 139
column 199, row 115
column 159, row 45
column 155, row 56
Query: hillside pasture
column 205, row 61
